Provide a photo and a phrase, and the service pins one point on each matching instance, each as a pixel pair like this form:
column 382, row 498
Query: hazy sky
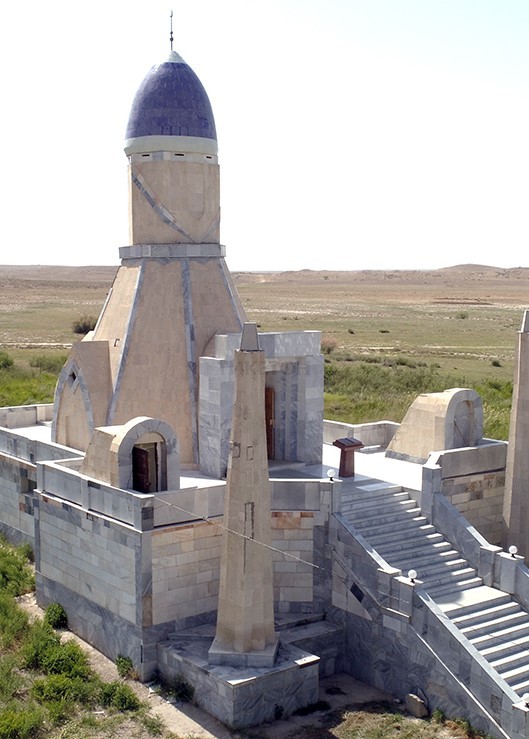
column 353, row 134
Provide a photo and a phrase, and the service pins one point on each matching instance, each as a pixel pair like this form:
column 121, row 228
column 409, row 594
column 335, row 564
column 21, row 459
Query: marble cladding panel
column 455, row 527
column 401, row 663
column 185, row 571
column 17, row 480
column 288, row 344
column 479, row 498
column 25, row 415
column 242, row 703
column 292, row 539
column 105, row 630
column 163, row 251
column 28, row 450
column 123, row 505
column 370, row 434
column 488, row 456
column 90, row 556
column 295, row 495
column 214, row 414
column 189, row 504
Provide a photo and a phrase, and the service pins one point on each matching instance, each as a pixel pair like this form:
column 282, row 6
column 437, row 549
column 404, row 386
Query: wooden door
column 270, row 421
column 140, row 470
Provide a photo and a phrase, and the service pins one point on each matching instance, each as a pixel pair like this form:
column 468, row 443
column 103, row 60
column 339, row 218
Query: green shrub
column 496, row 363
column 26, row 551
column 40, row 639
column 55, row 616
column 48, row 362
column 57, row 687
column 120, row 696
column 16, row 577
column 20, row 722
column 5, row 360
column 462, row 314
column 125, row 667
column 180, row 689
column 153, row 724
column 14, row 621
column 12, row 681
column 65, row 659
column 84, row 324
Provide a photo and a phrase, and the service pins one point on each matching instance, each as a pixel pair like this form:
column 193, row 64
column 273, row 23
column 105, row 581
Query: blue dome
column 171, row 101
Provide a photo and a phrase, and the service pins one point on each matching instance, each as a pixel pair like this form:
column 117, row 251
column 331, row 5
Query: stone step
column 380, row 529
column 360, row 503
column 488, row 627
column 477, row 617
column 461, row 575
column 438, row 590
column 431, row 557
column 416, row 535
column 521, row 687
column 427, row 574
column 509, row 662
column 474, row 603
column 517, row 676
column 373, row 512
column 391, row 550
column 382, row 517
column 505, row 649
column 378, row 487
column 501, row 636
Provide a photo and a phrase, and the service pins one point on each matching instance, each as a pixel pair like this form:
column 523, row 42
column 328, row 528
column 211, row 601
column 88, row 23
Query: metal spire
column 171, row 34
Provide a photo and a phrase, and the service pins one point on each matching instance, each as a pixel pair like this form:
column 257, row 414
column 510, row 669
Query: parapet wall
column 370, row 434
column 473, row 480
column 19, row 416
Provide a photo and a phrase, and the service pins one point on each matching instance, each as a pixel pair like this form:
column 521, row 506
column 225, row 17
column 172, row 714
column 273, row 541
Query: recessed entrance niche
column 149, row 464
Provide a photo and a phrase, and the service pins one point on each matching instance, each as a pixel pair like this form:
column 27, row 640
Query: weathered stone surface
column 416, row 706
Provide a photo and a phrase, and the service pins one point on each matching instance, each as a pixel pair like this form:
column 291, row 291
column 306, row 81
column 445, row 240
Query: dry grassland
column 462, row 318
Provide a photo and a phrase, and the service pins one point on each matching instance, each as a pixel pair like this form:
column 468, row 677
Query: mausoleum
column 182, row 499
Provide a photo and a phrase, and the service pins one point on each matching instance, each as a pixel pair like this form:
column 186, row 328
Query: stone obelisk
column 245, row 633
column 516, row 501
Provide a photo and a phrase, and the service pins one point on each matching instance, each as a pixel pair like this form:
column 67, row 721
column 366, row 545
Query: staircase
column 493, row 622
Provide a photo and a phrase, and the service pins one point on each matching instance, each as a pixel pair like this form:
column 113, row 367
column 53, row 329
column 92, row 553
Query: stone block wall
column 292, row 533
column 17, row 482
column 185, row 572
column 91, row 556
column 294, row 369
column 479, row 498
column 473, row 480
column 377, row 434
column 17, row 416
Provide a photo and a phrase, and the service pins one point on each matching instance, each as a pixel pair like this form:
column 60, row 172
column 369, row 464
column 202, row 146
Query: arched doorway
column 149, row 464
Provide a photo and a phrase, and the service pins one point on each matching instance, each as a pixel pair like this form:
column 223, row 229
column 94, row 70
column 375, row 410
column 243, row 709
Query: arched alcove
column 146, row 453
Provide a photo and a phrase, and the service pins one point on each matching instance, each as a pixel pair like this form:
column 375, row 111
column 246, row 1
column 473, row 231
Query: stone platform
column 240, row 696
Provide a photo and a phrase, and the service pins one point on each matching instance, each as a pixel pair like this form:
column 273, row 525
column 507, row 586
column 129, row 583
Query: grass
column 384, row 344
column 361, row 391
column 379, row 720
column 386, row 341
column 47, row 686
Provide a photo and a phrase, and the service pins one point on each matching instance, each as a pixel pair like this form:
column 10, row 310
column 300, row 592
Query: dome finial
column 171, row 34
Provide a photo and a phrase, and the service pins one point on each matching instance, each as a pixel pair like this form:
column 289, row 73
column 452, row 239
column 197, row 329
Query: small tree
column 5, row 360
column 84, row 324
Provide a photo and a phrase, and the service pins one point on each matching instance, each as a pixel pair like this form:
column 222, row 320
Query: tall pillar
column 245, row 633
column 516, row 501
